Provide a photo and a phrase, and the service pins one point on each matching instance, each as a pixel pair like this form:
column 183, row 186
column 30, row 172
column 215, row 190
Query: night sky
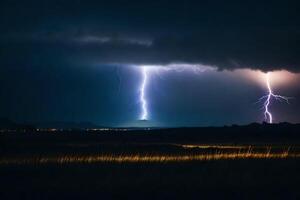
column 83, row 60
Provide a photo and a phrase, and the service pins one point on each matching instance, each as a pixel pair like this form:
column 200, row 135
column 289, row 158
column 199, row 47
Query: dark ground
column 238, row 179
column 220, row 179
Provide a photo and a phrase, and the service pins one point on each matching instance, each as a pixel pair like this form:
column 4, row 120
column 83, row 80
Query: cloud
column 264, row 51
column 230, row 35
column 94, row 39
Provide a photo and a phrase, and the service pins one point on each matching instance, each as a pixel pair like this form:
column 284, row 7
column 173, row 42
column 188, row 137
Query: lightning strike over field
column 144, row 114
column 145, row 70
column 269, row 97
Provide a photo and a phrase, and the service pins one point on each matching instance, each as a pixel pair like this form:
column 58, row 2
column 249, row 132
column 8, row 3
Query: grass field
column 38, row 168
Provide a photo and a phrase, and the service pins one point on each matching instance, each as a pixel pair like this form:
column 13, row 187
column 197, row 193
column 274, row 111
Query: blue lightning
column 144, row 114
column 145, row 69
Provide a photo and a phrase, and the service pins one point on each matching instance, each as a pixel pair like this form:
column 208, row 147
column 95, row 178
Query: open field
column 143, row 165
column 181, row 153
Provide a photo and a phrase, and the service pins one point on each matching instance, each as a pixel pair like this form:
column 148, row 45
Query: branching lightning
column 268, row 98
column 146, row 69
column 144, row 115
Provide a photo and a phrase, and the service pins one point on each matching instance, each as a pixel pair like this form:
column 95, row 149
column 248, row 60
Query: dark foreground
column 148, row 165
column 238, row 179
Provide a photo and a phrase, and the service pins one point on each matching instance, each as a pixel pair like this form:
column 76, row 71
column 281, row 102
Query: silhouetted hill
column 6, row 123
column 10, row 125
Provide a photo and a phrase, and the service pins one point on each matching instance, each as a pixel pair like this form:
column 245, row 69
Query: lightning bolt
column 144, row 114
column 267, row 113
column 146, row 69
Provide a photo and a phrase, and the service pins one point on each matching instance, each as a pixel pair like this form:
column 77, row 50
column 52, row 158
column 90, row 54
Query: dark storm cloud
column 260, row 35
column 48, row 50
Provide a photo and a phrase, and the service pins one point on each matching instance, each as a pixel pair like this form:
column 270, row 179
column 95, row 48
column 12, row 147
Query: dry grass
column 145, row 158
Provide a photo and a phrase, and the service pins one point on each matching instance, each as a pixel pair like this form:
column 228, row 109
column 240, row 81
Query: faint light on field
column 154, row 158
